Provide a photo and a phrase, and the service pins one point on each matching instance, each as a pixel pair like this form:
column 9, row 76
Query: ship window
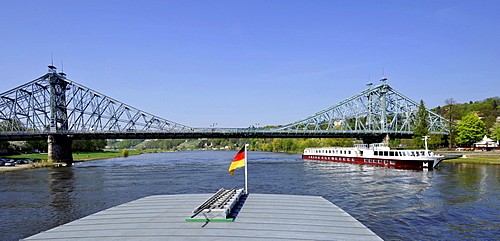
column 385, row 153
column 349, row 152
column 360, row 153
column 391, row 153
column 392, row 162
column 385, row 162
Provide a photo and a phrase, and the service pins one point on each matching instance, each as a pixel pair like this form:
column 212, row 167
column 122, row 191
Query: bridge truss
column 377, row 110
column 55, row 105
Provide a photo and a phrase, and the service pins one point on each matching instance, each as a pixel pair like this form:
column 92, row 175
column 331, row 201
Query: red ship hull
column 386, row 162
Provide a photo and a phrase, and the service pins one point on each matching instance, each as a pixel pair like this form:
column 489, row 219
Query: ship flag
column 240, row 160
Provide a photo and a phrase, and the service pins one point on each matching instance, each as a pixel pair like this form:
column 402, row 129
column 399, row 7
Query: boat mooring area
column 255, row 217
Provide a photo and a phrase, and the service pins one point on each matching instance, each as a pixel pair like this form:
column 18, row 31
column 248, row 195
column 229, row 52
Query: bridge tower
column 59, row 145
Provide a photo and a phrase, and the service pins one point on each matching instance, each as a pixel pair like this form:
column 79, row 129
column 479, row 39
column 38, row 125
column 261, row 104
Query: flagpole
column 246, row 170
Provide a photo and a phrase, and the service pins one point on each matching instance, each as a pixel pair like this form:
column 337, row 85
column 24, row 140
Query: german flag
column 238, row 160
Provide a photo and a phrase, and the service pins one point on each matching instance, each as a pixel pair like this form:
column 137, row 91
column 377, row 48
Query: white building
column 486, row 143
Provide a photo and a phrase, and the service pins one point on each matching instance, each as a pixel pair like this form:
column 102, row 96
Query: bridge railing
column 200, row 133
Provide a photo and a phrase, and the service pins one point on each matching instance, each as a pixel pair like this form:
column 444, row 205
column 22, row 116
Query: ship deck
column 258, row 217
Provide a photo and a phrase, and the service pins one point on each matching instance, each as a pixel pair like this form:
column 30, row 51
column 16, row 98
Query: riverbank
column 29, row 166
column 474, row 157
column 77, row 157
column 491, row 158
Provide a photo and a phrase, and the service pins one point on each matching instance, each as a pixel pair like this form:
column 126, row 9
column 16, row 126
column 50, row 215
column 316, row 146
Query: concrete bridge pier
column 59, row 148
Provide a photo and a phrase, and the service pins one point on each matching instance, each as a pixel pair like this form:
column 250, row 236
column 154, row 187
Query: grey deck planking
column 262, row 217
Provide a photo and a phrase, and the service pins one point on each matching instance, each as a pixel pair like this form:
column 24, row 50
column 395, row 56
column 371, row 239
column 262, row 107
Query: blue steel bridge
column 53, row 106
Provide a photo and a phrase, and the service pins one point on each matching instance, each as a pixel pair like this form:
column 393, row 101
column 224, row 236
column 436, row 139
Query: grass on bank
column 89, row 156
column 475, row 160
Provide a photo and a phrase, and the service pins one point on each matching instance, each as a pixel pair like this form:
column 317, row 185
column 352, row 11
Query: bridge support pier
column 59, row 148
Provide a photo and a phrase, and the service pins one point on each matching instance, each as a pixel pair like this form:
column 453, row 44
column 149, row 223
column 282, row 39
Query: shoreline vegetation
column 476, row 157
column 77, row 157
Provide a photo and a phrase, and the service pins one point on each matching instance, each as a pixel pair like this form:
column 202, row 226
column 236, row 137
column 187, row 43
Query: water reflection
column 395, row 202
column 61, row 187
column 455, row 201
column 466, row 191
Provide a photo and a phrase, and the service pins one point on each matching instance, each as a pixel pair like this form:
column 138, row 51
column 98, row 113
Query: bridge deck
column 261, row 217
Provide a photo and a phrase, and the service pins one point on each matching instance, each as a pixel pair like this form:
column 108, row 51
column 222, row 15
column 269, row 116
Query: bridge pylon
column 59, row 146
column 370, row 115
column 59, row 149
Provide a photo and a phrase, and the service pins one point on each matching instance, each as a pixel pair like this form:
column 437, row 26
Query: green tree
column 470, row 129
column 451, row 112
column 277, row 144
column 4, row 144
column 496, row 132
column 40, row 145
column 88, row 145
column 422, row 127
column 435, row 140
column 125, row 152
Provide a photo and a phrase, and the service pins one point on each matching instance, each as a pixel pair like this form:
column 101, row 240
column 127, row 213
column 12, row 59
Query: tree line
column 470, row 122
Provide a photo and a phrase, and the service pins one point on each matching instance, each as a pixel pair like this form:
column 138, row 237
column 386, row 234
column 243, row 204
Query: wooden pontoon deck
column 261, row 217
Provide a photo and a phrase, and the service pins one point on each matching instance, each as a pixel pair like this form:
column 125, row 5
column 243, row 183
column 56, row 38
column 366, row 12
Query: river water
column 454, row 202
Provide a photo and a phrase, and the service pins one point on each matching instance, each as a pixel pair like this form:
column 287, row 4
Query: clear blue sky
column 239, row 63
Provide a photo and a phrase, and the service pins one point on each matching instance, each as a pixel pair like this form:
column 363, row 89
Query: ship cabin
column 383, row 150
column 375, row 150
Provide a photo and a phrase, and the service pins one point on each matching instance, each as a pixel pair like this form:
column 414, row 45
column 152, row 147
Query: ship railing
column 361, row 146
column 379, row 146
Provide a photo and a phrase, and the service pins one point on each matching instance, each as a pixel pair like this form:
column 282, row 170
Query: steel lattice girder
column 32, row 111
column 377, row 108
column 28, row 108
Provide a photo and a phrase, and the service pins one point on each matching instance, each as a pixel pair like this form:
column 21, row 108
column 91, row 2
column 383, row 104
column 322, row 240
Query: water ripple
column 456, row 201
